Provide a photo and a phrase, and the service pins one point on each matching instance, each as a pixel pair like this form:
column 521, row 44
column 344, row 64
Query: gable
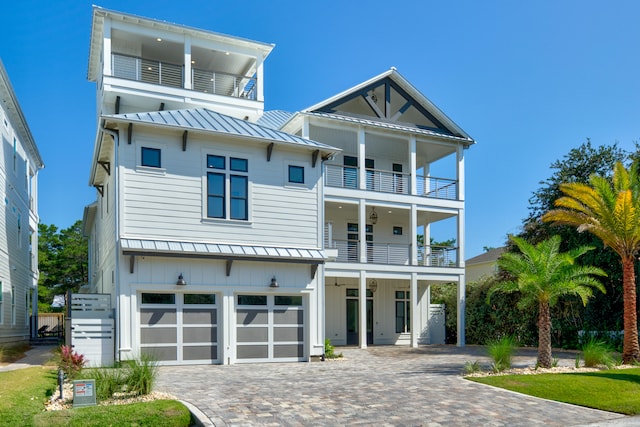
column 384, row 100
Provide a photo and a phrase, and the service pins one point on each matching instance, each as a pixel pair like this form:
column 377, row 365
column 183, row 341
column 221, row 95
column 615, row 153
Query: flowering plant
column 71, row 362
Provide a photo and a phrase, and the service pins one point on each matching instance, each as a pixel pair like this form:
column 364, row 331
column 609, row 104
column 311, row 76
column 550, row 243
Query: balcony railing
column 437, row 256
column 172, row 75
column 390, row 182
column 394, row 254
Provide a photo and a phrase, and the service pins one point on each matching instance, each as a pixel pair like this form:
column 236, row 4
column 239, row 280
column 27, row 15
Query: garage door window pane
column 288, row 300
column 158, row 298
column 199, row 298
column 252, row 300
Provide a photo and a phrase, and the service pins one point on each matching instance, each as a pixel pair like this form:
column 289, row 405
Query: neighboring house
column 484, row 265
column 222, row 231
column 20, row 162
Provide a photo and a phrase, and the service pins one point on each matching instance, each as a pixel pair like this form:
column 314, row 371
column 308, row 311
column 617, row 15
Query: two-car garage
column 187, row 328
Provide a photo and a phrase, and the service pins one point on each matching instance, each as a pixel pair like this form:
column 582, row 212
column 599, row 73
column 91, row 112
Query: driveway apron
column 375, row 386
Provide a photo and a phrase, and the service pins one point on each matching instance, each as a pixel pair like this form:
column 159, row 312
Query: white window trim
column 296, row 185
column 139, row 144
column 227, row 190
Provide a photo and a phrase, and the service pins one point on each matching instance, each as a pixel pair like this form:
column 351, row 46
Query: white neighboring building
column 20, row 162
column 227, row 235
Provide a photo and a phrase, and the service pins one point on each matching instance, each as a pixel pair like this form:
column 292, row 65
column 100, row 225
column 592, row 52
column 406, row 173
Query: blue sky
column 528, row 80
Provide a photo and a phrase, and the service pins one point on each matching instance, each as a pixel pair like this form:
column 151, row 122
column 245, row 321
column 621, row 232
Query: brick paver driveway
column 377, row 386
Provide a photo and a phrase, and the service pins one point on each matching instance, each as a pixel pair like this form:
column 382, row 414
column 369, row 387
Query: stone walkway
column 377, row 386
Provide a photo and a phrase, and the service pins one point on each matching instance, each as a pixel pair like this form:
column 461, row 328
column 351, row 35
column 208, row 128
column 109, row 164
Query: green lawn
column 614, row 390
column 24, row 392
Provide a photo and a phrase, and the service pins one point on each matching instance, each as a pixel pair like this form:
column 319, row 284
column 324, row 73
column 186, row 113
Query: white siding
column 170, row 203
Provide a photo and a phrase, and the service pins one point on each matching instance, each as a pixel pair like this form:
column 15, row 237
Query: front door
column 353, row 318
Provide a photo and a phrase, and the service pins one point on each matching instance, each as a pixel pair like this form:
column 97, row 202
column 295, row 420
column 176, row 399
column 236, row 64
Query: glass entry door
column 353, row 317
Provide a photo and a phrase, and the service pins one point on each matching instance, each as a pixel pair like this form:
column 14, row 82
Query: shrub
column 71, row 362
column 141, row 375
column 501, row 352
column 329, row 350
column 596, row 352
column 472, row 367
column 134, row 377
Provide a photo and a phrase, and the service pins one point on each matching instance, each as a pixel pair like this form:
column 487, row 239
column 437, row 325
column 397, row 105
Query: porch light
column 274, row 283
column 373, row 285
column 373, row 216
column 181, row 281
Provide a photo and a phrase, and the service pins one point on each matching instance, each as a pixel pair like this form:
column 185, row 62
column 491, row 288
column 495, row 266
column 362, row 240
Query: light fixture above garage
column 274, row 283
column 181, row 281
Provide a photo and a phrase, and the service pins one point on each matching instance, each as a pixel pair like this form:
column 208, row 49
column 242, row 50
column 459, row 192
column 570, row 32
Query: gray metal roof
column 221, row 250
column 274, row 119
column 203, row 119
column 387, row 125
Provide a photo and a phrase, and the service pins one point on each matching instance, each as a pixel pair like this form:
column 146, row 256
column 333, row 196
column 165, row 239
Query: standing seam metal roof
column 210, row 121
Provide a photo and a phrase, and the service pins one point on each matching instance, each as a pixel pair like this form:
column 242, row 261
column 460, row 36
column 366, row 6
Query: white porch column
column 461, row 239
column 460, row 171
column 414, row 234
column 106, row 48
column 413, row 166
column 461, row 309
column 362, row 230
column 414, row 313
column 362, row 154
column 427, row 310
column 187, row 63
column 260, row 79
column 427, row 245
column 362, row 309
column 305, row 127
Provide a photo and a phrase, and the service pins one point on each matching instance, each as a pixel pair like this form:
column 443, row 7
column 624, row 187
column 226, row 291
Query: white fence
column 92, row 328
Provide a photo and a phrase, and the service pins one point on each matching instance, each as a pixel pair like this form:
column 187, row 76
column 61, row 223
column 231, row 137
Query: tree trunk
column 630, row 351
column 544, row 335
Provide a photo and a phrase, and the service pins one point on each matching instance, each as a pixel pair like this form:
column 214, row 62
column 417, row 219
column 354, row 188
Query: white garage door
column 179, row 328
column 269, row 328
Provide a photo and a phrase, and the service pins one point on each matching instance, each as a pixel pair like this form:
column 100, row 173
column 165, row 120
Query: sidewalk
column 37, row 356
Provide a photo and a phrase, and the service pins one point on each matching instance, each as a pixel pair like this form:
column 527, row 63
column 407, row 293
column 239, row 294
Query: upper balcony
column 385, row 181
column 173, row 75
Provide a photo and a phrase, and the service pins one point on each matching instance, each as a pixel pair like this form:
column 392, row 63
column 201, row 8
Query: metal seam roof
column 221, row 249
column 385, row 125
column 207, row 120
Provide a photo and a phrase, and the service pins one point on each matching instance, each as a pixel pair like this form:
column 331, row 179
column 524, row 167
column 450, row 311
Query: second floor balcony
column 390, row 182
column 173, row 75
column 394, row 254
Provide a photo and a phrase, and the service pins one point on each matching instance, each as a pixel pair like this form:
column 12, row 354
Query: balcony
column 172, row 75
column 394, row 254
column 390, row 182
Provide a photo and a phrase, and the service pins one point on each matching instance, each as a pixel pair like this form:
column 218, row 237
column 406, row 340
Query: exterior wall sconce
column 181, row 281
column 274, row 283
column 373, row 216
column 373, row 285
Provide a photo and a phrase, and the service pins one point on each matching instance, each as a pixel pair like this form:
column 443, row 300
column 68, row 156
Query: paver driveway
column 377, row 386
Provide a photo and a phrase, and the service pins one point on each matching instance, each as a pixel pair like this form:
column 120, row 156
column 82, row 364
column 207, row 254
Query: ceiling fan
column 339, row 284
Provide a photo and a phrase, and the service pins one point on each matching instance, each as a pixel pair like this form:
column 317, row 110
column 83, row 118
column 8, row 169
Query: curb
column 201, row 420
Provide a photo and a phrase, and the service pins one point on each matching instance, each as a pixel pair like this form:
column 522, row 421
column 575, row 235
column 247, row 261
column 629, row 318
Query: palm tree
column 610, row 210
column 542, row 275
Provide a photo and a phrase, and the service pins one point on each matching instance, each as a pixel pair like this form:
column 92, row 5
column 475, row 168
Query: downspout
column 116, row 214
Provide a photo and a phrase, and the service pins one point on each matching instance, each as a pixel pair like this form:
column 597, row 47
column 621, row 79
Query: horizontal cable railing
column 341, row 176
column 388, row 182
column 166, row 74
column 224, row 84
column 388, row 253
column 439, row 188
column 437, row 256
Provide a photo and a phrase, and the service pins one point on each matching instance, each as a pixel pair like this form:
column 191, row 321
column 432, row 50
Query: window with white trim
column 403, row 307
column 227, row 187
column 13, row 304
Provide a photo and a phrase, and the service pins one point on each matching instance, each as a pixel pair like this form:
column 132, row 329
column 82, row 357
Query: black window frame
column 234, row 194
column 145, row 161
column 300, row 169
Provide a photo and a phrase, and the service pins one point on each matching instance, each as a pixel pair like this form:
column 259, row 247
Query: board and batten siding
column 170, row 202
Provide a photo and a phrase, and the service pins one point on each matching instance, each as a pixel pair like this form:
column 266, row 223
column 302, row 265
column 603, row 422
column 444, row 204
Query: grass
column 610, row 390
column 134, row 377
column 597, row 353
column 24, row 392
column 12, row 352
column 501, row 352
column 157, row 413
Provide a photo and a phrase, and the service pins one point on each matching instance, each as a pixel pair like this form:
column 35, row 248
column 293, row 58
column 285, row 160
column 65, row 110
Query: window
column 13, row 304
column 397, row 231
column 1, row 305
column 150, row 157
column 252, row 300
column 229, row 185
column 209, row 299
column 403, row 319
column 288, row 300
column 296, row 174
column 158, row 298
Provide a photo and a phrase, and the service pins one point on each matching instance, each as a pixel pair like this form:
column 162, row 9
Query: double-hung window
column 403, row 312
column 227, row 188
